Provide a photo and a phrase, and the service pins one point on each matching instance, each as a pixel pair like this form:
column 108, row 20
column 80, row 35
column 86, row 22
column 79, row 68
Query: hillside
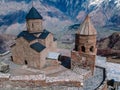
column 5, row 42
column 109, row 46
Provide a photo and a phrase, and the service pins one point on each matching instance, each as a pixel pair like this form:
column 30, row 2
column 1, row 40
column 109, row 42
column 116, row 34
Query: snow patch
column 117, row 2
column 96, row 2
column 113, row 69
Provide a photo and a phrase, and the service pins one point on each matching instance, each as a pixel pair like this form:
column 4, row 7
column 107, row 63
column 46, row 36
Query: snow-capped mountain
column 58, row 14
column 103, row 12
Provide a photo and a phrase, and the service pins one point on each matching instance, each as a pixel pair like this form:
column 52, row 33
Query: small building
column 53, row 58
column 32, row 46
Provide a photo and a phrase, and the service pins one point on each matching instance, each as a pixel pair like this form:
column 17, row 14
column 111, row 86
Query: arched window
column 32, row 25
column 91, row 48
column 83, row 48
column 26, row 62
column 76, row 47
column 11, row 58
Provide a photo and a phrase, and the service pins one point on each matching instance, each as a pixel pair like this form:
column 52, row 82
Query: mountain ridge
column 57, row 13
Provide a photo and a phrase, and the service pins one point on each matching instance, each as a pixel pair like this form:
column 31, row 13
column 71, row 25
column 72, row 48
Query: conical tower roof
column 87, row 28
column 33, row 14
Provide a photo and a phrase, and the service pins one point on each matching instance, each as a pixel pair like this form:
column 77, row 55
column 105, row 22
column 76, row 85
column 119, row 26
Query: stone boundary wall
column 40, row 81
column 103, row 85
column 34, row 81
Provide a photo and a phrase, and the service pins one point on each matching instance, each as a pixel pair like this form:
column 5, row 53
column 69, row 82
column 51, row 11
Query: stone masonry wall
column 84, row 54
column 34, row 25
column 23, row 54
column 78, row 60
column 33, row 81
column 18, row 51
column 50, row 44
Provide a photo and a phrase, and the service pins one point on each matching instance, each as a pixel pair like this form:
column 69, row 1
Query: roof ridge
column 44, row 34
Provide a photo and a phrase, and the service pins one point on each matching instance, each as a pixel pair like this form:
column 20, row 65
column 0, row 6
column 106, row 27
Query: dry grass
column 110, row 59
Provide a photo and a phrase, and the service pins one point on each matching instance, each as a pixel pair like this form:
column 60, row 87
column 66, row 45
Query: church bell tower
column 34, row 21
column 84, row 54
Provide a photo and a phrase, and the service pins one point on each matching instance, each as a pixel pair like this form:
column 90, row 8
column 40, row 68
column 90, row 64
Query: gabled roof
column 30, row 36
column 86, row 28
column 37, row 47
column 33, row 14
column 26, row 35
column 44, row 34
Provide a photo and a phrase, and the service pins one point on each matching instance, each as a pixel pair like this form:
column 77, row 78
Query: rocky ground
column 95, row 81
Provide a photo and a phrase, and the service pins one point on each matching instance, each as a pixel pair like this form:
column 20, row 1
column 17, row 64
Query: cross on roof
column 33, row 3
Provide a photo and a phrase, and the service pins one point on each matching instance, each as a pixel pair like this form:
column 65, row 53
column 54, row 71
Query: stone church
column 84, row 54
column 33, row 45
column 37, row 48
